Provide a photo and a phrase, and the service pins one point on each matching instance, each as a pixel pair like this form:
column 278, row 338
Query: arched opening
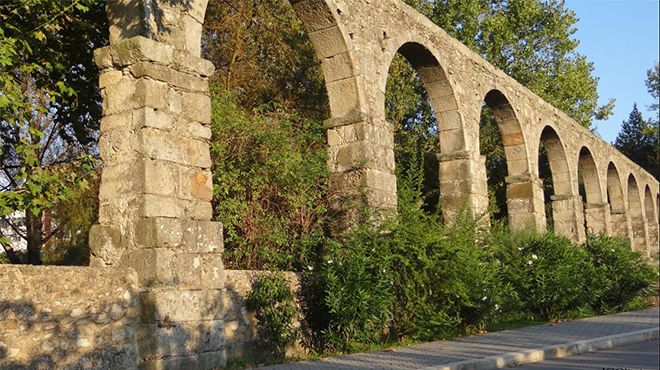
column 555, row 174
column 636, row 216
column 502, row 142
column 618, row 210
column 651, row 221
column 589, row 186
column 426, row 123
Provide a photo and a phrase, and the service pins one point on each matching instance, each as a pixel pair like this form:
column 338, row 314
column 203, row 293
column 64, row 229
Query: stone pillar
column 652, row 239
column 597, row 217
column 638, row 241
column 526, row 203
column 568, row 217
column 463, row 186
column 155, row 210
column 361, row 161
column 620, row 223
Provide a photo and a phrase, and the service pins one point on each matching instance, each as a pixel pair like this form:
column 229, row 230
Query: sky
column 621, row 38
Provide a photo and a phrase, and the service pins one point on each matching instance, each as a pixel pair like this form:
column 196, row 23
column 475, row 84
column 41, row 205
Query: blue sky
column 621, row 38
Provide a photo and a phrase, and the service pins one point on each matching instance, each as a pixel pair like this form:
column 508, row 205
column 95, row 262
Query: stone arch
column 513, row 138
column 595, row 211
column 566, row 206
column 440, row 93
column 651, row 220
column 561, row 177
column 615, row 197
column 519, row 191
column 636, row 215
column 455, row 183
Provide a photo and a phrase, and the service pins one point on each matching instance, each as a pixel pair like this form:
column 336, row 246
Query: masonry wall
column 68, row 318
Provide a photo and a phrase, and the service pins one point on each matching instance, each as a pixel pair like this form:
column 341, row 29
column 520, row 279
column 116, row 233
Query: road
column 640, row 356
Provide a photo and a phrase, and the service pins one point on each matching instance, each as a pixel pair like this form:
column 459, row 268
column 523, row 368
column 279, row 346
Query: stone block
column 213, row 276
column 187, row 270
column 170, row 76
column 139, row 48
column 165, row 146
column 149, row 117
column 315, row 17
column 203, row 237
column 129, row 94
column 154, row 266
column 103, row 57
column 159, row 232
column 199, row 210
column 338, row 67
column 198, row 131
column 344, row 96
column 168, row 306
column 201, row 184
column 105, row 245
column 179, row 339
column 191, row 64
column 109, row 78
column 204, row 361
column 197, row 107
column 152, row 206
column 160, row 177
column 328, row 42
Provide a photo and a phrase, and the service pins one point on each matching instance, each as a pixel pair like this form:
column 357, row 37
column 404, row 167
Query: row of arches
column 575, row 200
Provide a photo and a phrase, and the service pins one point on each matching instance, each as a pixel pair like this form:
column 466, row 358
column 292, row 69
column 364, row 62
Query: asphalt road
column 640, row 356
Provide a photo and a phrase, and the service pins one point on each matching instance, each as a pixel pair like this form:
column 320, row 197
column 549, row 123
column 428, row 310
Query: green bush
column 409, row 277
column 549, row 274
column 270, row 182
column 620, row 274
column 276, row 312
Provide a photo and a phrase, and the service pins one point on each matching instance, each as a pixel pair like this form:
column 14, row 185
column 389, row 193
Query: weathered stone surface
column 168, row 305
column 68, row 317
column 105, row 245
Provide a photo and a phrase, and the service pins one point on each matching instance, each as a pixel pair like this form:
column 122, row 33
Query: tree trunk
column 35, row 238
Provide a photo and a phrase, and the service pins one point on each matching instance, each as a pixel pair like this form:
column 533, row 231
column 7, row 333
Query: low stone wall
column 68, row 318
column 241, row 337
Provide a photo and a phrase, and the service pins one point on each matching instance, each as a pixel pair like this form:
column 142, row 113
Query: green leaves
column 276, row 312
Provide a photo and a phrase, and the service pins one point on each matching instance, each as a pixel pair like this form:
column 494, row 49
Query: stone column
column 638, row 241
column 568, row 217
column 597, row 217
column 463, row 186
column 361, row 161
column 652, row 238
column 155, row 211
column 526, row 203
column 620, row 223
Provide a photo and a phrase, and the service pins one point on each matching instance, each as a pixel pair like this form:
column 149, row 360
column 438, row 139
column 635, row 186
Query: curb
column 550, row 352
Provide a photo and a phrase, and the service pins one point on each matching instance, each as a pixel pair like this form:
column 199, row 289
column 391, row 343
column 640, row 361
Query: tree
column 653, row 129
column 49, row 111
column 635, row 142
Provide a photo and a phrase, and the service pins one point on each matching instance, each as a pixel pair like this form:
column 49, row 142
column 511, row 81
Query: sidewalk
column 504, row 348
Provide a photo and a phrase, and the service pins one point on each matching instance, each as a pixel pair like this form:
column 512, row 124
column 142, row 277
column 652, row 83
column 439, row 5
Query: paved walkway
column 502, row 348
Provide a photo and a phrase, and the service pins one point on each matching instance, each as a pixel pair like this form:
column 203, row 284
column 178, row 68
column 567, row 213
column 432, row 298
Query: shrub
column 620, row 274
column 548, row 273
column 276, row 313
column 409, row 277
column 270, row 179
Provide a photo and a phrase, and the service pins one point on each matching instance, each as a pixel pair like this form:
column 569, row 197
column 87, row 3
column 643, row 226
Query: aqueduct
column 155, row 213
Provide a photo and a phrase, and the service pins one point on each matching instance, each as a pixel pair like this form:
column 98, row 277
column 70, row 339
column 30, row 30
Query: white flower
column 484, row 298
column 535, row 257
column 520, row 248
column 329, row 262
column 310, row 267
column 529, row 262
